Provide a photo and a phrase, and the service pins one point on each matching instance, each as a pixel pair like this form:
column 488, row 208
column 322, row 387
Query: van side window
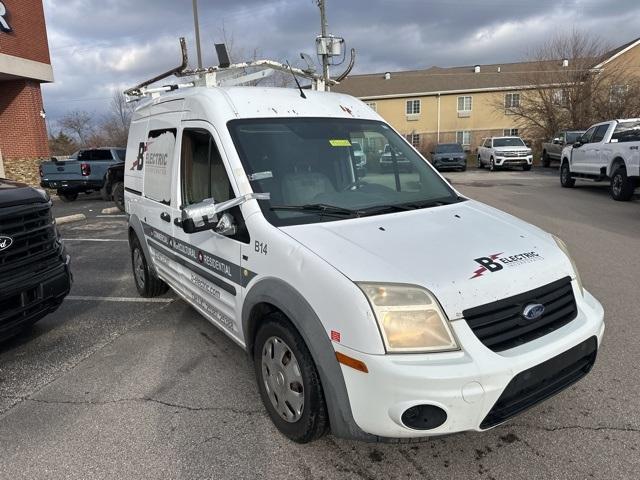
column 202, row 171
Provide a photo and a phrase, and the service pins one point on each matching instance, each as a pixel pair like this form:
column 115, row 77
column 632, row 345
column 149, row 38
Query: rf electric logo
column 4, row 23
column 496, row 262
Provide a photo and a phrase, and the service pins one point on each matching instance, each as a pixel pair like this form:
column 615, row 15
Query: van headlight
column 410, row 318
column 563, row 247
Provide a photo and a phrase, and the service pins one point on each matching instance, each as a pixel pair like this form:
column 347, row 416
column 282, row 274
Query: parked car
column 335, row 286
column 552, row 150
column 114, row 184
column 35, row 273
column 497, row 152
column 607, row 151
column 390, row 156
column 84, row 171
column 449, row 155
column 360, row 157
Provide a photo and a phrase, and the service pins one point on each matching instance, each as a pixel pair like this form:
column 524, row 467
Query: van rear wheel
column 147, row 283
column 288, row 381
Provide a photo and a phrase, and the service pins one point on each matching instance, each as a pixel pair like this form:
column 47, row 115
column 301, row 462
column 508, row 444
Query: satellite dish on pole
column 311, row 66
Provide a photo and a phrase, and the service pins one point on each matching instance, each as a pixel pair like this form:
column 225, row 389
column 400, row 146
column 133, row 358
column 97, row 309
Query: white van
column 382, row 308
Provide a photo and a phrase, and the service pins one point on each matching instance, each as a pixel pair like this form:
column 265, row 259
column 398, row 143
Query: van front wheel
column 288, row 381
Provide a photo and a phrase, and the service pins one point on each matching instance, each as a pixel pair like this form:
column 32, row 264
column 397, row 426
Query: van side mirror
column 204, row 215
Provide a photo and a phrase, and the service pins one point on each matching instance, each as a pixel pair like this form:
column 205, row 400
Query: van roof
column 263, row 102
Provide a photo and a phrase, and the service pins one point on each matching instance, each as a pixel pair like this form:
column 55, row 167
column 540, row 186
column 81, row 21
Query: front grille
column 513, row 154
column 34, row 246
column 542, row 381
column 500, row 325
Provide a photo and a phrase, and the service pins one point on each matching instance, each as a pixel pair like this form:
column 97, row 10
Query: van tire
column 147, row 283
column 621, row 187
column 118, row 195
column 565, row 176
column 67, row 195
column 313, row 422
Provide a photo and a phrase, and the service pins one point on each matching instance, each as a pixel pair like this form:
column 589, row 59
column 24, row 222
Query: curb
column 71, row 219
column 111, row 210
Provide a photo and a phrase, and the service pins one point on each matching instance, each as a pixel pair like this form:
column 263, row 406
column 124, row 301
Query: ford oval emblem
column 533, row 311
column 5, row 242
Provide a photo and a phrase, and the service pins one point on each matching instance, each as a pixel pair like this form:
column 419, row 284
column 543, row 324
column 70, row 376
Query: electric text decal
column 155, row 159
column 495, row 262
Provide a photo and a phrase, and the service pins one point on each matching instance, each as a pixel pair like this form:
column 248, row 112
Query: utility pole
column 197, row 25
column 323, row 25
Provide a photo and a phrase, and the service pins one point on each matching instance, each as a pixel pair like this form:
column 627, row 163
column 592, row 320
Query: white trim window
column 413, row 107
column 372, row 105
column 617, row 93
column 463, row 137
column 511, row 101
column 561, row 97
column 465, row 103
column 510, row 132
column 414, row 139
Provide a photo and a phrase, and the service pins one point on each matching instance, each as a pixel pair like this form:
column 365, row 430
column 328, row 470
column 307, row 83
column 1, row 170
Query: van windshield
column 310, row 169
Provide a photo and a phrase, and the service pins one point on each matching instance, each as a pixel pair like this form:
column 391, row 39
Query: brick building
column 24, row 66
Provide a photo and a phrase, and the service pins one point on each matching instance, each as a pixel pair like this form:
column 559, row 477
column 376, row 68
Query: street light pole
column 323, row 26
column 197, row 25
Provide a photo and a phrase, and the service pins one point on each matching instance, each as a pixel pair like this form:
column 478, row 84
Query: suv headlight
column 563, row 247
column 410, row 318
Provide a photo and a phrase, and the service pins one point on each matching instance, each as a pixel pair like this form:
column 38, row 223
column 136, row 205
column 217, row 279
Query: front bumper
column 455, row 163
column 508, row 161
column 29, row 299
column 466, row 384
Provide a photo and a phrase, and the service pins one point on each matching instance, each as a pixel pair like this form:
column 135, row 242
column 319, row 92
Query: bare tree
column 115, row 124
column 567, row 91
column 80, row 124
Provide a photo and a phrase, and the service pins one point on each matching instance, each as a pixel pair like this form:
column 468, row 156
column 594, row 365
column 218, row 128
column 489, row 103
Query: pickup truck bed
column 84, row 171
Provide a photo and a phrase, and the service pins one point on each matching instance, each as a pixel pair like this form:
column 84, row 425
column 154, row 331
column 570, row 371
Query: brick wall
column 23, row 133
column 29, row 36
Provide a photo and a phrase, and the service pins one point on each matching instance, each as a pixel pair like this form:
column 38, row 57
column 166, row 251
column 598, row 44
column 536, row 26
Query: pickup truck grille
column 34, row 248
column 501, row 326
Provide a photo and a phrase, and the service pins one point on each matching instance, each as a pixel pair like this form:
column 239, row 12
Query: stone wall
column 24, row 170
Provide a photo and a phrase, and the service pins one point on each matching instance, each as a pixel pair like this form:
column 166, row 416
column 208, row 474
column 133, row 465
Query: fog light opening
column 424, row 417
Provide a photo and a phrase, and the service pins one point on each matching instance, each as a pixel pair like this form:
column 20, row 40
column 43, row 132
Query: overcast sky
column 101, row 45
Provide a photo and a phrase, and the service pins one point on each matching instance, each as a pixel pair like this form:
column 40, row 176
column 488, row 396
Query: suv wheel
column 565, row 176
column 492, row 165
column 288, row 381
column 147, row 283
column 118, row 195
column 526, row 168
column 621, row 187
column 67, row 196
column 480, row 164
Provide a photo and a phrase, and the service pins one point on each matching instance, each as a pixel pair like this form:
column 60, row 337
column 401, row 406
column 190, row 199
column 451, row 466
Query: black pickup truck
column 35, row 273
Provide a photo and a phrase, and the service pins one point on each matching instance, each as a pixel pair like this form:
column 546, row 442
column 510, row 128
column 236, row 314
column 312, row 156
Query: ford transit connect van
column 380, row 308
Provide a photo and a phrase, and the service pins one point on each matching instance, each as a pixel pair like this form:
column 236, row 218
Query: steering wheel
column 358, row 183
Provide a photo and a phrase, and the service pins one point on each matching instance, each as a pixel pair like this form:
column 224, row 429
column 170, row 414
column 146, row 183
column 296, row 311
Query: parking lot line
column 95, row 239
column 80, row 298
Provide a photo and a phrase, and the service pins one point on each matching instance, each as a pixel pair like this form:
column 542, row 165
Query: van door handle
column 166, row 217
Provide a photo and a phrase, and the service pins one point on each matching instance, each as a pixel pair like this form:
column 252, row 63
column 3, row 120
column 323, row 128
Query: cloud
column 98, row 46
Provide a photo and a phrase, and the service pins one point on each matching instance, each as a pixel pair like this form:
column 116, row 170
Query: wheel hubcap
column 617, row 184
column 282, row 379
column 138, row 267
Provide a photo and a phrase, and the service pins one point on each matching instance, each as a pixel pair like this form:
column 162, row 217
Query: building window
column 373, row 106
column 510, row 132
column 561, row 97
column 463, row 137
column 511, row 102
column 414, row 139
column 618, row 93
column 464, row 104
column 413, row 107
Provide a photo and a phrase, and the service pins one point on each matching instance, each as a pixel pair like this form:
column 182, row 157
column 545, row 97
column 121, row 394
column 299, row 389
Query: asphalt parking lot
column 110, row 386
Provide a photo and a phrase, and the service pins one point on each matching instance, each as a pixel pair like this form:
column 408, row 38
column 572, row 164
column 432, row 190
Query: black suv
column 34, row 266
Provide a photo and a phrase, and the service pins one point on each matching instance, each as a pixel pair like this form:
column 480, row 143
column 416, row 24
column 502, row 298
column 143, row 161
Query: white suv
column 247, row 202
column 497, row 152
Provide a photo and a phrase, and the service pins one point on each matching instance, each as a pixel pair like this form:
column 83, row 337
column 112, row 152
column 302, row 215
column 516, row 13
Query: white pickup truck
column 607, row 150
column 498, row 152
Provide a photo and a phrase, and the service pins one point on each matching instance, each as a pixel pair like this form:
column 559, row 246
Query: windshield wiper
column 321, row 209
column 402, row 207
